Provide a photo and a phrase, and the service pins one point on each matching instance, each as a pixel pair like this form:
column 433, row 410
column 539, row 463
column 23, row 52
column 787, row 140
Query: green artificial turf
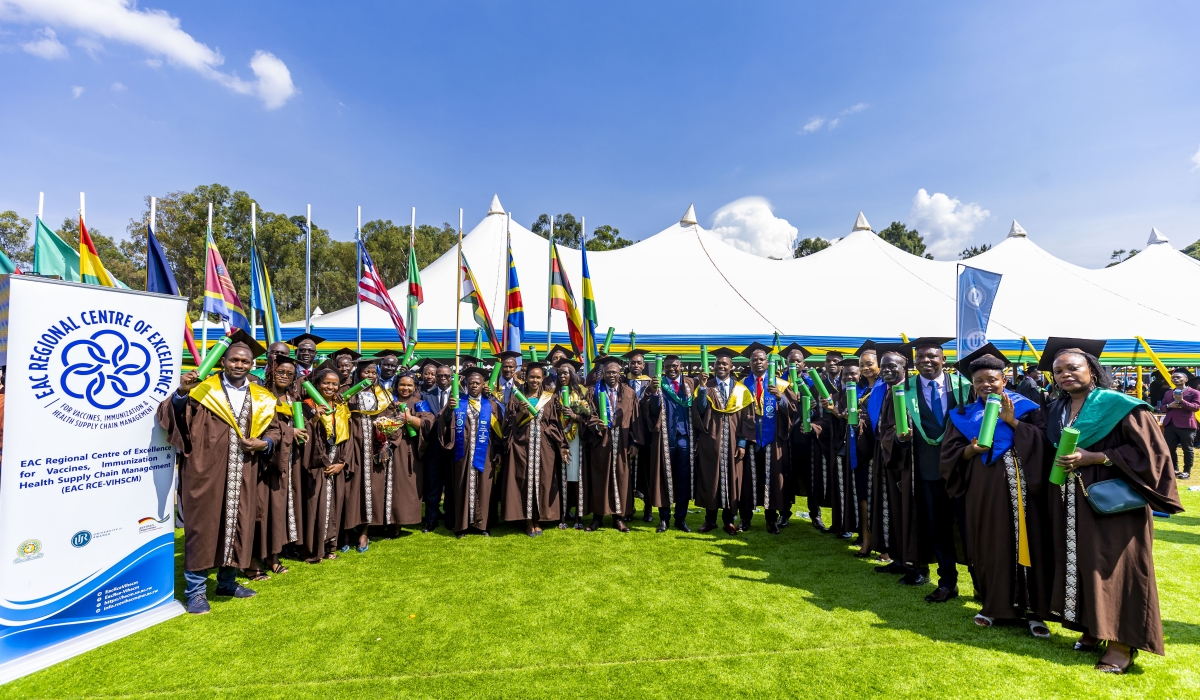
column 606, row 615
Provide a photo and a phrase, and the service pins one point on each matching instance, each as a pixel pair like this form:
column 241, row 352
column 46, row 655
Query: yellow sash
column 740, row 398
column 382, row 397
column 283, row 408
column 262, row 405
column 340, row 429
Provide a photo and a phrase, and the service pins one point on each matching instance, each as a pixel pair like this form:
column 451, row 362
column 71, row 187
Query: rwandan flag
column 514, row 309
column 160, row 279
column 471, row 293
column 589, row 313
column 415, row 295
column 563, row 299
column 220, row 298
column 262, row 298
column 91, row 270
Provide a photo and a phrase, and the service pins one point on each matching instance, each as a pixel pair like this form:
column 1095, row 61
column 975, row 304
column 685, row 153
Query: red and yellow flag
column 563, row 299
column 91, row 270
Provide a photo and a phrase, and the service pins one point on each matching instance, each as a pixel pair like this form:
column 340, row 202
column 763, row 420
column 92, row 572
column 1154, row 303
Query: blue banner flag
column 976, row 293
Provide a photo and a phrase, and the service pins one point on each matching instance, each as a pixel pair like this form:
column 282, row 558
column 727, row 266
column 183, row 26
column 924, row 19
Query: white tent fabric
column 685, row 282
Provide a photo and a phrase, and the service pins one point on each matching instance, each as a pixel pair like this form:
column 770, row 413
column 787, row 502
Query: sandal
column 1115, row 669
column 331, row 555
column 1039, row 629
column 1081, row 646
column 983, row 620
column 257, row 576
column 279, row 569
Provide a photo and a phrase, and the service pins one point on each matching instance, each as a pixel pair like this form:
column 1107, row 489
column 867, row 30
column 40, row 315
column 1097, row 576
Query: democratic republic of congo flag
column 563, row 299
column 470, row 290
column 91, row 270
column 514, row 309
column 219, row 295
column 589, row 312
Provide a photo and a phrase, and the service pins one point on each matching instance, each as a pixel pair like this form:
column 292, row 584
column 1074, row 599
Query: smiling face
column 306, row 352
column 611, row 374
column 673, row 368
column 369, row 372
column 722, row 367
column 329, row 385
column 237, row 362
column 850, row 374
column 508, row 367
column 406, row 386
column 988, row 381
column 533, row 381
column 345, row 367
column 930, row 362
column 891, row 368
column 444, row 377
column 388, row 366
column 429, row 376
column 1072, row 373
column 283, row 376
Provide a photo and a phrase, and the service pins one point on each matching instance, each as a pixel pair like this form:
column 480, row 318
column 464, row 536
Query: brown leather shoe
column 593, row 526
column 942, row 594
column 622, row 527
column 731, row 529
column 708, row 527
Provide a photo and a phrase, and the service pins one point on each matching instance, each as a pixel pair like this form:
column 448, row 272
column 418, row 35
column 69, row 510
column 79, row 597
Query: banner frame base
column 45, row 658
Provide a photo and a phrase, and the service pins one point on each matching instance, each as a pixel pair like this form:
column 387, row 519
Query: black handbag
column 1112, row 496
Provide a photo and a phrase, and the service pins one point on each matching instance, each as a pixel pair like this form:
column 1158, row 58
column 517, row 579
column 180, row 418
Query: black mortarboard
column 928, row 341
column 514, row 354
column 902, row 349
column 535, row 365
column 429, row 361
column 570, row 353
column 388, row 353
column 240, row 336
column 795, row 346
column 723, row 352
column 469, row 358
column 867, row 345
column 636, row 351
column 964, row 365
column 607, row 360
column 282, row 359
column 363, row 361
column 849, row 362
column 295, row 342
column 345, row 351
column 1055, row 346
column 568, row 361
column 668, row 358
column 476, row 369
column 752, row 347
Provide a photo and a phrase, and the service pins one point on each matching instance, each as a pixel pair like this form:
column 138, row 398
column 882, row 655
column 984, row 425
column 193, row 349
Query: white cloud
column 945, row 223
column 817, row 122
column 1196, row 160
column 92, row 46
column 748, row 224
column 119, row 87
column 158, row 33
column 76, row 90
column 47, row 47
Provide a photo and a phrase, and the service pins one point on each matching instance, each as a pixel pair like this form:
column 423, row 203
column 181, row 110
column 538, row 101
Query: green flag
column 415, row 294
column 52, row 255
column 6, row 265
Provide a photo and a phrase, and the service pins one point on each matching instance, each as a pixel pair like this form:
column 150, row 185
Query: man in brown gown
column 668, row 457
column 723, row 420
column 535, row 446
column 224, row 430
column 611, row 440
column 762, row 483
column 470, row 427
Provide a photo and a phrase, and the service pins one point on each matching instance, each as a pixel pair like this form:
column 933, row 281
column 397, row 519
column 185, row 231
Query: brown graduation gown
column 902, row 529
column 659, row 488
column 471, row 488
column 765, row 468
column 400, row 503
column 718, row 471
column 534, row 449
column 839, row 477
column 993, row 502
column 1108, row 589
column 366, row 482
column 322, row 495
column 217, row 481
column 609, row 490
column 278, row 495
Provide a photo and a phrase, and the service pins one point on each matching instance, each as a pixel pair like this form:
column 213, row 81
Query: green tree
column 974, row 250
column 388, row 245
column 905, row 239
column 607, row 238
column 114, row 254
column 568, row 232
column 1193, row 250
column 808, row 246
column 1120, row 256
column 14, row 239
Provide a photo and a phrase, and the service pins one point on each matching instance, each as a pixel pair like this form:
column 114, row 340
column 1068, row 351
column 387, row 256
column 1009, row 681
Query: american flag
column 372, row 290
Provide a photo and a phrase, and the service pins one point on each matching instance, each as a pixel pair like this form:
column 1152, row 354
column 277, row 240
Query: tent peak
column 495, row 208
column 1016, row 231
column 1157, row 237
column 860, row 224
column 689, row 217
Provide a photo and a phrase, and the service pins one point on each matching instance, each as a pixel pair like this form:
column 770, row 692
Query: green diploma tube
column 658, row 366
column 213, row 357
column 298, row 417
column 770, row 374
column 704, row 359
column 525, row 399
column 900, row 407
column 533, row 353
column 805, row 410
column 1066, row 446
column 315, row 395
column 565, row 397
column 412, row 432
column 604, row 408
column 991, row 411
column 820, row 385
column 454, row 389
column 608, row 339
column 408, row 355
column 798, row 386
column 347, row 394
column 494, row 380
column 852, row 403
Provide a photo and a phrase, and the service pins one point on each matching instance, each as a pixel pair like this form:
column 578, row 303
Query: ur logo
column 105, row 369
column 974, row 340
column 81, row 538
column 975, row 296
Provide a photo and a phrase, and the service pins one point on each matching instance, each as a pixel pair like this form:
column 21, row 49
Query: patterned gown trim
column 1071, row 585
column 616, row 441
column 533, row 465
column 293, row 536
column 666, row 448
column 233, row 478
column 1012, row 467
column 368, row 463
column 723, row 463
column 328, row 498
column 469, row 457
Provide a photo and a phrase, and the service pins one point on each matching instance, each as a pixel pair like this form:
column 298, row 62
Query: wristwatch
column 1107, row 462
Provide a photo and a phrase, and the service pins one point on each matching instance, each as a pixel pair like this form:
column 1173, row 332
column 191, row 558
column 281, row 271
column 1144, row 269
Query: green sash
column 1102, row 410
column 959, row 388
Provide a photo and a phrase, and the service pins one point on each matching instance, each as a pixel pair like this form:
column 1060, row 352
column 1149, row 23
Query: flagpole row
column 357, row 277
column 203, row 313
column 308, row 270
column 549, row 283
column 254, row 252
column 458, row 297
column 412, row 257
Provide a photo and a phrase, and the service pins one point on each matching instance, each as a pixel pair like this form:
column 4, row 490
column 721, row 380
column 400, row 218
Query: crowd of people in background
column 307, row 458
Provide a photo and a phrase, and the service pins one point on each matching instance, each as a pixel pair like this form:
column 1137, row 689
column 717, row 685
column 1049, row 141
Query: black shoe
column 785, row 519
column 238, row 591
column 892, row 568
column 198, row 605
column 942, row 594
column 680, row 525
column 1185, row 475
column 846, row 535
column 662, row 526
column 914, row 579
column 743, row 527
column 707, row 527
column 817, row 522
column 647, row 518
column 773, row 528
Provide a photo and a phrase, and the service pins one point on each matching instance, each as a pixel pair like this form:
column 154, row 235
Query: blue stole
column 601, row 386
column 969, row 424
column 765, row 424
column 423, row 406
column 483, row 431
column 852, row 445
column 875, row 402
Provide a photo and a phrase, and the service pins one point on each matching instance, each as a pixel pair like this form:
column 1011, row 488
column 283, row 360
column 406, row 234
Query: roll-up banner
column 87, row 479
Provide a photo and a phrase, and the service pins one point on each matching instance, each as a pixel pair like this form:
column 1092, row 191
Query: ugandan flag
column 563, row 299
column 470, row 290
column 91, row 270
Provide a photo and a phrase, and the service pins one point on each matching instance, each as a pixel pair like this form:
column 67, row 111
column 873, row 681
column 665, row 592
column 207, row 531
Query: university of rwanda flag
column 589, row 312
column 219, row 295
column 262, row 298
column 514, row 309
column 91, row 270
column 563, row 299
column 470, row 289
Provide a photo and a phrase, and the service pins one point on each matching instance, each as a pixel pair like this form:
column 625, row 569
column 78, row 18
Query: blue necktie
column 935, row 401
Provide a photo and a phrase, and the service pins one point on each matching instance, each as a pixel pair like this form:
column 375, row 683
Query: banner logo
column 105, row 369
column 975, row 296
column 81, row 539
column 28, row 551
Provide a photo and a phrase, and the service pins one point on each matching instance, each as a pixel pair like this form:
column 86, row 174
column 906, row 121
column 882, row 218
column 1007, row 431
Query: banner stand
column 62, row 651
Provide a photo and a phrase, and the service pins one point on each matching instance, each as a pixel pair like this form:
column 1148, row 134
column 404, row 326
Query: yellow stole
column 739, row 399
column 383, row 399
column 340, row 428
column 210, row 395
column 572, row 426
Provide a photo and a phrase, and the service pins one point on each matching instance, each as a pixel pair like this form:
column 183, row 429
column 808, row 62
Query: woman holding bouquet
column 407, row 432
column 572, row 410
column 324, row 459
column 366, row 456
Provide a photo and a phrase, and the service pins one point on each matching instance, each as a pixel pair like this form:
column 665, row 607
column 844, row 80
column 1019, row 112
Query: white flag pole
column 549, row 283
column 412, row 303
column 203, row 313
column 253, row 244
column 458, row 299
column 308, row 270
column 357, row 298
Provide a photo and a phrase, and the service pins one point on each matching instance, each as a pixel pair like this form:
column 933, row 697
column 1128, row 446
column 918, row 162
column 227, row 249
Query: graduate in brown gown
column 762, row 481
column 225, row 431
column 723, row 420
column 1104, row 583
column 534, row 449
column 323, row 457
column 839, row 467
column 869, row 407
column 635, row 375
column 406, row 462
column 279, row 486
column 470, row 426
column 611, row 441
column 797, row 452
column 998, row 484
column 668, row 457
column 572, row 469
column 898, row 515
column 366, row 473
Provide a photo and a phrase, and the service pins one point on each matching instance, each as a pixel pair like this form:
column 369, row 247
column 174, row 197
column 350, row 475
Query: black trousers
column 941, row 513
column 1180, row 437
column 710, row 516
column 437, row 483
column 681, row 485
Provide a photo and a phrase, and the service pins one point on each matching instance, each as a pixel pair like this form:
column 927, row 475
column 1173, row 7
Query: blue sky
column 1080, row 120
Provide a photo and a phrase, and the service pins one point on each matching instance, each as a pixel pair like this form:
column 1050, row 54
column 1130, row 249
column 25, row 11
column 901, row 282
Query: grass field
column 606, row 615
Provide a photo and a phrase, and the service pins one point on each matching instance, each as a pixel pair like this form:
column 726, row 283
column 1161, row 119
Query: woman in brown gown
column 406, row 458
column 1104, row 583
column 324, row 459
column 366, row 458
column 279, row 488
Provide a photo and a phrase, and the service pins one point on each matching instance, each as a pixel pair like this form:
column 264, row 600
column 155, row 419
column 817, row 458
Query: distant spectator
column 1179, row 421
column 1158, row 388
